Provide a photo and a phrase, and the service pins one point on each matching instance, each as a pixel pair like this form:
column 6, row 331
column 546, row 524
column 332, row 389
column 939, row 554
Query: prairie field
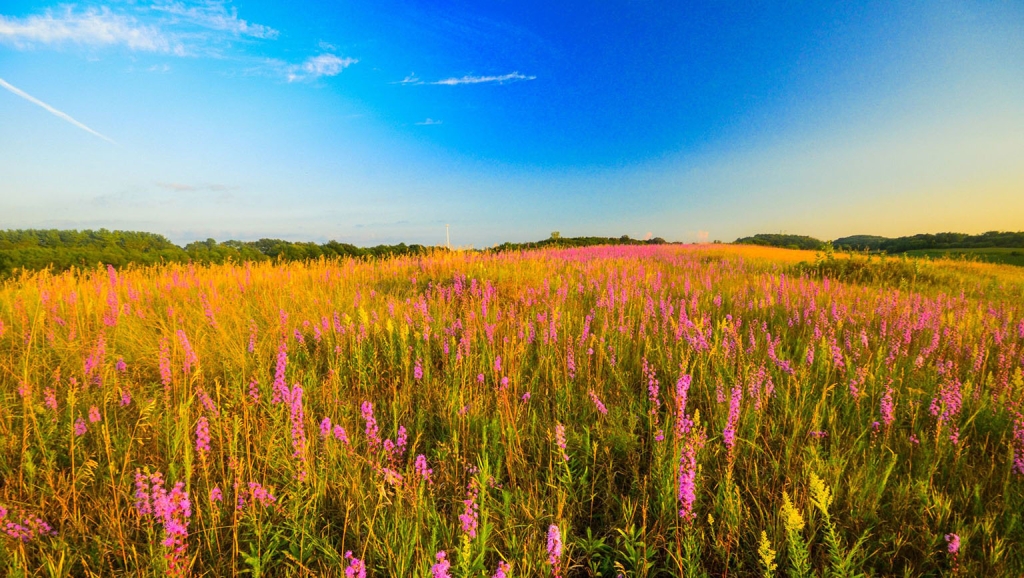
column 636, row 410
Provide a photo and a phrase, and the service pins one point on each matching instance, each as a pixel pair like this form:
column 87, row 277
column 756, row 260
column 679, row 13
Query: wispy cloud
column 316, row 66
column 215, row 16
column 50, row 109
column 97, row 27
column 511, row 77
column 429, row 122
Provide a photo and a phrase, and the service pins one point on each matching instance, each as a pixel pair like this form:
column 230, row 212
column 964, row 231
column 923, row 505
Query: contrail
column 50, row 109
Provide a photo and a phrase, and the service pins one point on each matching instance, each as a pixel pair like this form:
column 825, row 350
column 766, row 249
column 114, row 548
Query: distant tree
column 782, row 240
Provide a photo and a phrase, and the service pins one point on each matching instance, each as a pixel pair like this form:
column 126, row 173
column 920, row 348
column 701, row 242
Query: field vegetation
column 635, row 410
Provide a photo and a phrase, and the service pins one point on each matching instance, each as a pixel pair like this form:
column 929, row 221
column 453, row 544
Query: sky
column 382, row 121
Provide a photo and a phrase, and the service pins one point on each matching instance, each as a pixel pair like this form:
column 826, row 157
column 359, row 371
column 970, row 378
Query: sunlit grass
column 592, row 391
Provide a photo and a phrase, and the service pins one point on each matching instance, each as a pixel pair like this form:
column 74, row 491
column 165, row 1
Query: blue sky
column 380, row 122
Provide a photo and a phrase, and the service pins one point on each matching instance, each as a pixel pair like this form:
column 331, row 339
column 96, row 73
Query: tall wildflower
column 280, row 386
column 440, row 569
column 560, row 441
column 422, row 469
column 729, row 433
column 555, row 550
column 470, row 516
column 191, row 358
column 1018, row 444
column 953, row 547
column 165, row 362
column 887, row 408
column 172, row 511
column 687, row 481
column 767, row 556
column 203, row 437
column 503, row 569
column 799, row 558
column 946, row 406
column 356, row 568
column 50, row 399
column 254, row 390
column 598, row 404
column 683, row 423
column 298, row 418
column 372, row 432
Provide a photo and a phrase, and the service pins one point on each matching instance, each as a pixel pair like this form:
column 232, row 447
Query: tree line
column 892, row 245
column 60, row 250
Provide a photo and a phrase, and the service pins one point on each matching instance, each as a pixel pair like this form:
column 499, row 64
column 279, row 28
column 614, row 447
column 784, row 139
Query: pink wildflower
column 729, row 433
column 356, row 567
column 503, row 569
column 471, row 510
column 597, row 403
column 440, row 570
column 340, row 435
column 560, row 440
column 555, row 550
column 372, row 432
column 953, row 543
column 422, row 470
column 280, row 387
column 203, row 437
column 298, row 429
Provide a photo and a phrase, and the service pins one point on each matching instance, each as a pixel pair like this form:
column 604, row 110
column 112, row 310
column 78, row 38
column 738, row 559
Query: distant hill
column 860, row 242
column 784, row 241
column 990, row 239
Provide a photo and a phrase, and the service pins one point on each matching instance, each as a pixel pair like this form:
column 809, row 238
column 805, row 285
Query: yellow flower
column 791, row 516
column 767, row 554
column 820, row 494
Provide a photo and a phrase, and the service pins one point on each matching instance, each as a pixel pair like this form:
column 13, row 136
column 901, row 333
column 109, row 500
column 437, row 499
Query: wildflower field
column 643, row 411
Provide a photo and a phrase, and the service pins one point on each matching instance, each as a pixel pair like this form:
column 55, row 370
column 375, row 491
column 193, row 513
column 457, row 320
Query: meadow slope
column 643, row 410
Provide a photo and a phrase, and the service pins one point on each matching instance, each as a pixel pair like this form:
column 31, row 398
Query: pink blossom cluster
column 372, row 431
column 28, row 528
column 422, row 469
column 729, row 433
column 298, row 430
column 356, row 568
column 470, row 516
column 440, row 569
column 560, row 441
column 555, row 550
column 172, row 510
column 251, row 494
column 191, row 359
column 203, row 437
column 280, row 387
column 1018, row 444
